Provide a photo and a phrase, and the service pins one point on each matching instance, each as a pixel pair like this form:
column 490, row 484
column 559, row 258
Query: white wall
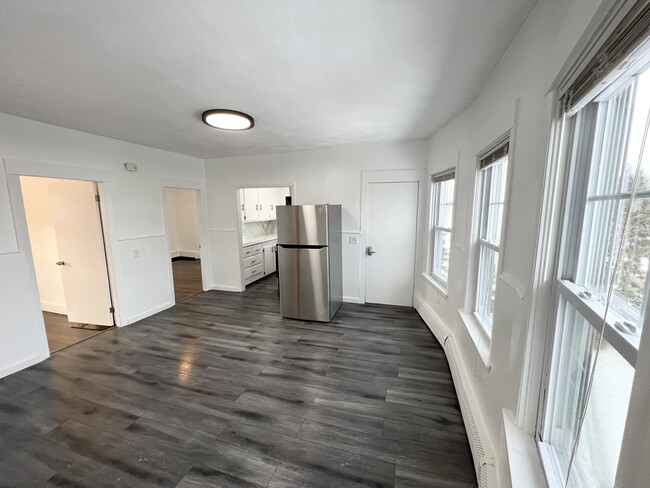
column 183, row 222
column 516, row 96
column 135, row 225
column 42, row 237
column 331, row 175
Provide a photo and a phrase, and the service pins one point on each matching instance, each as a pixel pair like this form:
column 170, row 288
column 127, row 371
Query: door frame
column 202, row 215
column 386, row 176
column 15, row 168
column 239, row 223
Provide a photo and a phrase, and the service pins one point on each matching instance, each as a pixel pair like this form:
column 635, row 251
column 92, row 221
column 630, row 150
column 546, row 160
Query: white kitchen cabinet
column 264, row 204
column 258, row 260
column 251, row 205
column 258, row 204
column 268, row 250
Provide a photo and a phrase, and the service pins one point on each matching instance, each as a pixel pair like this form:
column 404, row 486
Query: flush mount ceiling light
column 228, row 119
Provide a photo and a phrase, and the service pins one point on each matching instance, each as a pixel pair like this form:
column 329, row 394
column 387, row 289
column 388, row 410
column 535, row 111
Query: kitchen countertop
column 258, row 240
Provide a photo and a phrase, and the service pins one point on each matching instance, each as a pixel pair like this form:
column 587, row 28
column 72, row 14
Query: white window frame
column 450, row 173
column 575, row 185
column 485, row 330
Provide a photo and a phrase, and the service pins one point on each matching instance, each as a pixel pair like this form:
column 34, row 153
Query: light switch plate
column 136, row 253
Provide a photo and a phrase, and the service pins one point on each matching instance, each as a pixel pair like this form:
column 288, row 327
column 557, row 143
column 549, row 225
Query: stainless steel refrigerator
column 309, row 261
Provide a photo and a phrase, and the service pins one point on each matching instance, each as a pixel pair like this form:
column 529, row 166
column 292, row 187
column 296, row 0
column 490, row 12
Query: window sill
column 523, row 458
column 436, row 285
column 479, row 337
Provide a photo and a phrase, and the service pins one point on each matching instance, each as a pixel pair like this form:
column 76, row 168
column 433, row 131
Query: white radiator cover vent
column 481, row 464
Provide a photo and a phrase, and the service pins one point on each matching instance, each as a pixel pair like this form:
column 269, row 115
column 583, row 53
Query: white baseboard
column 175, row 254
column 52, row 307
column 25, row 363
column 225, row 288
column 352, row 300
column 483, row 452
column 149, row 313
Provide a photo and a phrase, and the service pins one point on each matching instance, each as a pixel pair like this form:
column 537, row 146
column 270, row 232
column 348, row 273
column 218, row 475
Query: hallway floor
column 187, row 278
column 61, row 334
column 220, row 391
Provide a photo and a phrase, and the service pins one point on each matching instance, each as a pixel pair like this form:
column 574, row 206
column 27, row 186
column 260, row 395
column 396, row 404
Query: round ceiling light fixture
column 225, row 119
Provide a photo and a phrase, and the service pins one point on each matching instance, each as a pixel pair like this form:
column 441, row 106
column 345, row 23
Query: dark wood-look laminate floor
column 187, row 278
column 61, row 334
column 220, row 391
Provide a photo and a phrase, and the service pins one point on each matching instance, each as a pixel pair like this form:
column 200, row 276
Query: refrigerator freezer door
column 302, row 225
column 304, row 283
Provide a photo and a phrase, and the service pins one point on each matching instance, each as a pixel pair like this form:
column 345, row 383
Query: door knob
column 60, row 263
column 369, row 251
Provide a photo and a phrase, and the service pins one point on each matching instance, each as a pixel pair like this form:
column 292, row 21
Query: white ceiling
column 312, row 72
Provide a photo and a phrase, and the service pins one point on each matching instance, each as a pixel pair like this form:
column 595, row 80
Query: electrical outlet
column 353, row 240
column 136, row 253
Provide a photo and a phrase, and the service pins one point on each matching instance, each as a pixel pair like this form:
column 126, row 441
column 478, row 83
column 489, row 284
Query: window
column 493, row 167
column 602, row 286
column 442, row 219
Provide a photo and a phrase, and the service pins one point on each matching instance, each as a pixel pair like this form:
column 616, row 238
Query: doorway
column 391, row 229
column 68, row 244
column 258, row 230
column 184, row 241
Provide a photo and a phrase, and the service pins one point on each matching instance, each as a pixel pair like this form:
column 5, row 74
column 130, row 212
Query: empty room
column 325, row 243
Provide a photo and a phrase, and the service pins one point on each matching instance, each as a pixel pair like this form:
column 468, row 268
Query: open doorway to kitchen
column 68, row 242
column 184, row 241
column 258, row 226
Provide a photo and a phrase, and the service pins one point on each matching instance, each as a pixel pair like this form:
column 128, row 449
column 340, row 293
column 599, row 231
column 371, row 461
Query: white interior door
column 391, row 233
column 81, row 252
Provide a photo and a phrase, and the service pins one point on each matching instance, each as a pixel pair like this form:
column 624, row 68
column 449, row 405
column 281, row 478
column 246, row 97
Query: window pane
column 630, row 293
column 575, row 340
column 601, row 239
column 486, row 286
column 600, row 440
column 441, row 250
column 444, row 213
column 494, row 192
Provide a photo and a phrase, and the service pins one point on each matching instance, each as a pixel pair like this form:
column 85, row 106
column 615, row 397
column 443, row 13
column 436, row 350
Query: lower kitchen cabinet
column 259, row 260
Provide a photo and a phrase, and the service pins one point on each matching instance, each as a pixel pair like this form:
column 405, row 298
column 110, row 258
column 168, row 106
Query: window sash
column 493, row 181
column 442, row 212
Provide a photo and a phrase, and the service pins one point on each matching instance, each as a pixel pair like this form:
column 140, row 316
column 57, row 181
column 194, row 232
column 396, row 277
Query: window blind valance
column 446, row 176
column 493, row 155
column 626, row 43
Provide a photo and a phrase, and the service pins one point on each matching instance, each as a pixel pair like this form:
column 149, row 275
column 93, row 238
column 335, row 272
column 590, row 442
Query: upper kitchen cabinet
column 258, row 204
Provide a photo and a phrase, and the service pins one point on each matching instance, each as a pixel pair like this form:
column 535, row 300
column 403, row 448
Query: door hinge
column 111, row 309
column 96, row 198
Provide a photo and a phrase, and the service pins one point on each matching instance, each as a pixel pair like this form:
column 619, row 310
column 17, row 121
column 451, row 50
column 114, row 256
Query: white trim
column 143, row 236
column 22, row 364
column 478, row 336
column 53, row 307
column 202, row 216
column 538, row 323
column 435, row 284
column 235, row 289
column 15, row 168
column 21, row 167
column 148, row 313
column 351, row 300
column 181, row 183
